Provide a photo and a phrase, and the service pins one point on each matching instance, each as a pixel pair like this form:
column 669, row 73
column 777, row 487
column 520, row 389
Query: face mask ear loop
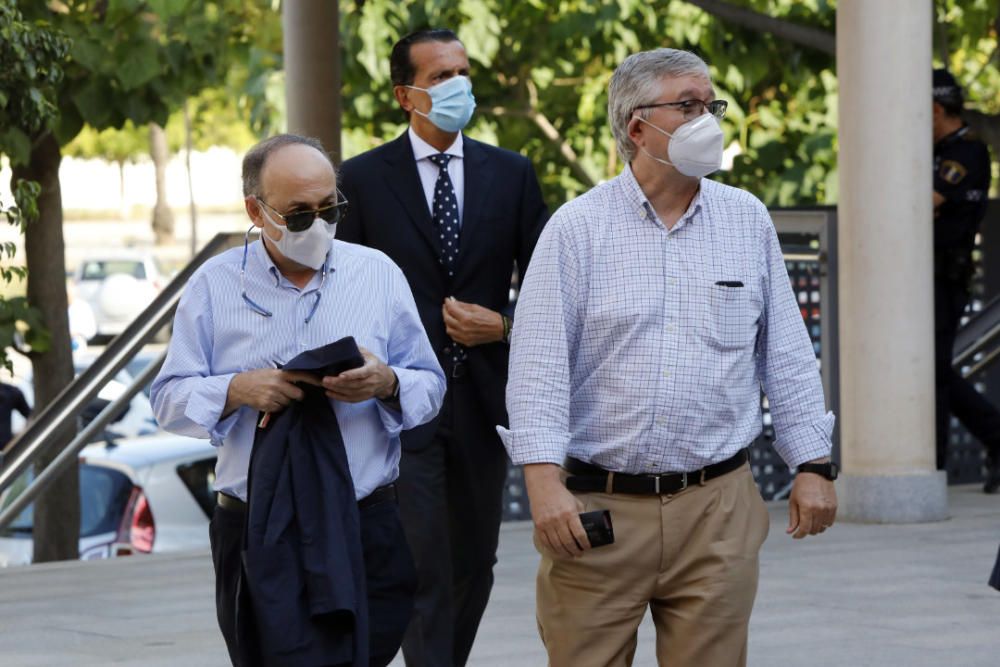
column 658, row 129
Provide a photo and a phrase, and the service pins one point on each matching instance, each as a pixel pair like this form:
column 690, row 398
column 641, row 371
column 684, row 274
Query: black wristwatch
column 828, row 469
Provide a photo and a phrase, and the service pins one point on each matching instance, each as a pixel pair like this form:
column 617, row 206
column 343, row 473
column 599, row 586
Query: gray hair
column 256, row 157
column 637, row 82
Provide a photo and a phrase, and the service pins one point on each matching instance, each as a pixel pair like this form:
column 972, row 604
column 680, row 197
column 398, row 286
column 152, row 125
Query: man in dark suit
column 456, row 215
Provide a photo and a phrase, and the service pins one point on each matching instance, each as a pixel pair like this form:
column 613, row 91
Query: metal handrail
column 82, row 439
column 981, row 331
column 35, row 439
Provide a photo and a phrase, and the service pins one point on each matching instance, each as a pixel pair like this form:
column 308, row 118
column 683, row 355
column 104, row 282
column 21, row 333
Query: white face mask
column 695, row 148
column 308, row 247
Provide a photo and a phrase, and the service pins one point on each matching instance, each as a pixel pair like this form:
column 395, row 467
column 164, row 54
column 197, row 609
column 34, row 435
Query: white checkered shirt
column 628, row 353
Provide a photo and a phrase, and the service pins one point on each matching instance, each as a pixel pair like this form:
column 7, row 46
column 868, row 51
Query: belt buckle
column 684, row 482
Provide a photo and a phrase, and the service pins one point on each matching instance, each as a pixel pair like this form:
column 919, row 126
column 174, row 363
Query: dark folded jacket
column 303, row 598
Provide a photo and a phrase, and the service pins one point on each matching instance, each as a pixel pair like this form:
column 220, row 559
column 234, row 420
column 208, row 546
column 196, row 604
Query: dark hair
column 946, row 92
column 256, row 157
column 400, row 66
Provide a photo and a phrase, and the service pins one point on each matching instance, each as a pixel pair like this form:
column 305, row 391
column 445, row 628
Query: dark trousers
column 451, row 496
column 956, row 395
column 389, row 576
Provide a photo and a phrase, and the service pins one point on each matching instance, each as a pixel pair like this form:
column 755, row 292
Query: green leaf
column 92, row 102
column 141, row 67
column 16, row 145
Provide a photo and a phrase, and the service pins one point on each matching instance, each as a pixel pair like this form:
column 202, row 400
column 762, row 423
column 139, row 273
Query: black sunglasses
column 302, row 220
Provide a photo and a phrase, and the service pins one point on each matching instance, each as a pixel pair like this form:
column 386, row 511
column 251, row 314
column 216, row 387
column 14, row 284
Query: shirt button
column 666, row 374
column 660, row 421
column 670, row 326
column 673, row 281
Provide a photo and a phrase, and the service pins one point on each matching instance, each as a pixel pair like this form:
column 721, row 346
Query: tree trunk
column 57, row 510
column 163, row 219
column 122, row 208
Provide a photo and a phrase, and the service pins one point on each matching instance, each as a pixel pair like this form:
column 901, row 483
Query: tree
column 541, row 72
column 163, row 217
column 121, row 146
column 32, row 54
column 129, row 60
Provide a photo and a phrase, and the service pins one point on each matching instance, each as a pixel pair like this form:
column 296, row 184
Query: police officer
column 961, row 182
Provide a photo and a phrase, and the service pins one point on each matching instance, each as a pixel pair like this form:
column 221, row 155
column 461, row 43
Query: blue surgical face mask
column 452, row 103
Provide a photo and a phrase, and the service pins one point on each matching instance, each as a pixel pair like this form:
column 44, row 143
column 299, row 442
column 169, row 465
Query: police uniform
column 962, row 177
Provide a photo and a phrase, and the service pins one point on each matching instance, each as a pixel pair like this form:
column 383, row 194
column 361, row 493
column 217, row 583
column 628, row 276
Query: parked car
column 138, row 495
column 118, row 286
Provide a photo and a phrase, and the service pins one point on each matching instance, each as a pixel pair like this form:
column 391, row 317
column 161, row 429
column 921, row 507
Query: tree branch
column 550, row 132
column 811, row 38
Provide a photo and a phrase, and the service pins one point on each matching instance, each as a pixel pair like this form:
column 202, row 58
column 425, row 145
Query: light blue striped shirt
column 628, row 353
column 217, row 335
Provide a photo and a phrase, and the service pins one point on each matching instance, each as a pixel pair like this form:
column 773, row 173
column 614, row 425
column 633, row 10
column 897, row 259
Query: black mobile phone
column 597, row 525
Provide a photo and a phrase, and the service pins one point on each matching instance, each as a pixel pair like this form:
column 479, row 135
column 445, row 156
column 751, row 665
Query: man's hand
column 266, row 389
column 812, row 505
column 470, row 324
column 373, row 380
column 555, row 512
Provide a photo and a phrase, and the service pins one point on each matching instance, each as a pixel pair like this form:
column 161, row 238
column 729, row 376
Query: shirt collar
column 640, row 203
column 423, row 150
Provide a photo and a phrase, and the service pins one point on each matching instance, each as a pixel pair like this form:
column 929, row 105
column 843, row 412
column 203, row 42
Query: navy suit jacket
column 304, row 599
column 502, row 217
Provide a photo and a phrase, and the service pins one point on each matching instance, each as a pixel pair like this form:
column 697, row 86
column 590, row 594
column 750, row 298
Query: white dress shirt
column 429, row 171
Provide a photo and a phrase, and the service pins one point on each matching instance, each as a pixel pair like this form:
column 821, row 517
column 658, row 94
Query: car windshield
column 101, row 269
column 104, row 493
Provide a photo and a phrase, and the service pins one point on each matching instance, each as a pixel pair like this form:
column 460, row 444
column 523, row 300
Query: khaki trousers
column 690, row 558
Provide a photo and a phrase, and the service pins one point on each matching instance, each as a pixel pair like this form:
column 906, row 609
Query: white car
column 118, row 286
column 139, row 495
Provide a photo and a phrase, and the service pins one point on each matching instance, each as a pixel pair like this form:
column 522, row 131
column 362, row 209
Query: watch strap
column 828, row 470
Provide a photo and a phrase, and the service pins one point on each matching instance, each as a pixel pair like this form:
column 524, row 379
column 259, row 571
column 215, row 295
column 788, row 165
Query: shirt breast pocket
column 731, row 318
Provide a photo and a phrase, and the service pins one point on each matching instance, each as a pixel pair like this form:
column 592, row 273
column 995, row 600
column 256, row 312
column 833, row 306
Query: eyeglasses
column 693, row 108
column 300, row 221
column 256, row 307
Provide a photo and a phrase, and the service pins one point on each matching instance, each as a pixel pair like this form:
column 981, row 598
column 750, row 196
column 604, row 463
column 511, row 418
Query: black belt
column 380, row 495
column 590, row 478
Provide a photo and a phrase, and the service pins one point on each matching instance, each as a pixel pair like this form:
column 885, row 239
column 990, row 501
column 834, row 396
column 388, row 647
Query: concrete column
column 885, row 270
column 312, row 70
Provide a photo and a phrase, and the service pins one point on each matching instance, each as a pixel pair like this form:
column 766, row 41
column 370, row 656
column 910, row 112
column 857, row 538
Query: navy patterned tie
column 444, row 213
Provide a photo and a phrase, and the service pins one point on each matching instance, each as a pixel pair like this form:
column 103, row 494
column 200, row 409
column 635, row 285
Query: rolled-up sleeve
column 187, row 399
column 786, row 363
column 538, row 388
column 421, row 381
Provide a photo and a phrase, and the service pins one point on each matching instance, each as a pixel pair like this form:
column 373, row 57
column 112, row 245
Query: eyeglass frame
column 720, row 107
column 339, row 209
column 256, row 307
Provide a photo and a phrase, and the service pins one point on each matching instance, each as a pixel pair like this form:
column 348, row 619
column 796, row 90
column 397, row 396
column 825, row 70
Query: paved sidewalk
column 858, row 595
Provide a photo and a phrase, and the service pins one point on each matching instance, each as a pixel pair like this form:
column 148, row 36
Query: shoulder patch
column 952, row 172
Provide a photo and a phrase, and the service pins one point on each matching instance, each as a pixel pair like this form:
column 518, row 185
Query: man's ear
column 253, row 210
column 634, row 129
column 402, row 98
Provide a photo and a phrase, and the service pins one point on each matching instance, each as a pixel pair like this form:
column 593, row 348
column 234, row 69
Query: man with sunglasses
column 251, row 309
column 656, row 308
column 456, row 215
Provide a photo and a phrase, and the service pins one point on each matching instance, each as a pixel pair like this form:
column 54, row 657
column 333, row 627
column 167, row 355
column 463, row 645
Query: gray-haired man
column 655, row 308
